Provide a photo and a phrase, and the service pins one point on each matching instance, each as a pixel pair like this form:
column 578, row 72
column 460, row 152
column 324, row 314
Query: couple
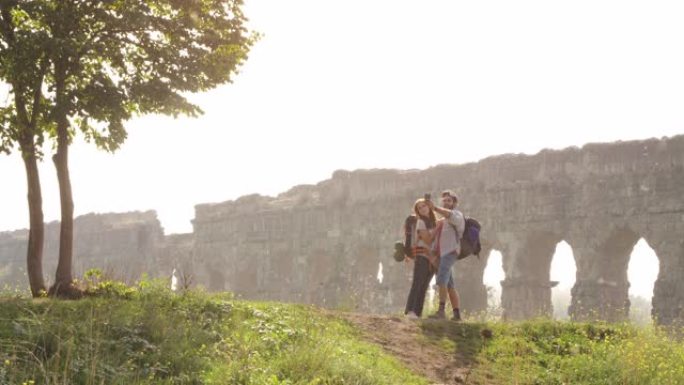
column 437, row 244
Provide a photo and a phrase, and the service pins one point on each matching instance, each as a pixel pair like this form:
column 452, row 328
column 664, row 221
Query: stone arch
column 666, row 237
column 468, row 274
column 600, row 198
column 602, row 256
column 493, row 268
column 468, row 277
column 526, row 290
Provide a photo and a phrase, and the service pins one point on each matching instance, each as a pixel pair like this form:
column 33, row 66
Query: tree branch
column 6, row 27
column 7, row 30
column 38, row 93
column 6, row 24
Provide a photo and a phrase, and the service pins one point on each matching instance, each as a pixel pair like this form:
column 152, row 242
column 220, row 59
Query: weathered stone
column 322, row 243
column 121, row 245
column 600, row 198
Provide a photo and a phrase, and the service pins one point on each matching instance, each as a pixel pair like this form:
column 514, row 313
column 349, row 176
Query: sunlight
column 380, row 276
column 563, row 270
column 431, row 294
column 642, row 273
column 174, row 281
column 493, row 275
column 643, row 270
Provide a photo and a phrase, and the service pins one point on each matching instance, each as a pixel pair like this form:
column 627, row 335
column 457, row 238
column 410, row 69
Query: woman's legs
column 413, row 293
column 425, row 276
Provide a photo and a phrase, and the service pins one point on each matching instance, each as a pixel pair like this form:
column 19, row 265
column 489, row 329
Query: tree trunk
column 63, row 286
column 34, row 253
column 64, row 276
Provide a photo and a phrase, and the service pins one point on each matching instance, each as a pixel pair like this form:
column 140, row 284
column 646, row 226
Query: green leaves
column 6, row 127
column 111, row 60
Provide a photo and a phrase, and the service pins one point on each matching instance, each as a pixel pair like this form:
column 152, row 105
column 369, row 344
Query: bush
column 147, row 334
column 544, row 352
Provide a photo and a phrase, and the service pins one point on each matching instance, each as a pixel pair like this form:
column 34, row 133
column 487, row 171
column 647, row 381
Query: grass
column 546, row 352
column 150, row 335
column 147, row 334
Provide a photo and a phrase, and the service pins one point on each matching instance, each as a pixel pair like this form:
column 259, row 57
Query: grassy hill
column 149, row 335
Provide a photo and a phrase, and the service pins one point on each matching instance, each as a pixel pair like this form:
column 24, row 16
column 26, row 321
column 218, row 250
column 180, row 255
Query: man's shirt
column 449, row 241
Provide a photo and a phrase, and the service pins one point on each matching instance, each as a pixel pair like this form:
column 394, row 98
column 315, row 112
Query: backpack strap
column 409, row 226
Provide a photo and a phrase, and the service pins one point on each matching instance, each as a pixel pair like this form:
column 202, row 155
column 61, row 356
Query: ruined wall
column 322, row 244
column 122, row 245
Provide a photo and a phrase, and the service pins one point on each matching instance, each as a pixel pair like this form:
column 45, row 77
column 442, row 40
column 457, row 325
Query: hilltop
column 147, row 334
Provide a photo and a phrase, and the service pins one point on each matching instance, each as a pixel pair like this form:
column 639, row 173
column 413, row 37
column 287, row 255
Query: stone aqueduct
column 322, row 243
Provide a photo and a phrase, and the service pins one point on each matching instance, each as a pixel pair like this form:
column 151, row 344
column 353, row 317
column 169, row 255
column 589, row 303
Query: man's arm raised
column 446, row 213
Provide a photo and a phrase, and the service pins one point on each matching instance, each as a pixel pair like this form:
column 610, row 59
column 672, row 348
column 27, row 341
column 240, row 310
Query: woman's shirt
column 420, row 247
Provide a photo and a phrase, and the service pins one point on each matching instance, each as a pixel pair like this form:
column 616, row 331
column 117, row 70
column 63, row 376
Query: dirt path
column 406, row 340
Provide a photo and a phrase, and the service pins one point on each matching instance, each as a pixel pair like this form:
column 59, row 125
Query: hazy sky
column 394, row 84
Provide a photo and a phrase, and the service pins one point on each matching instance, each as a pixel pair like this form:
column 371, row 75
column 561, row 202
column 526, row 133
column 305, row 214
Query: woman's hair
column 430, row 220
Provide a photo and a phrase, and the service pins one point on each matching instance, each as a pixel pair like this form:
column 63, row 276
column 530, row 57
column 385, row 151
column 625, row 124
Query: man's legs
column 451, row 292
column 445, row 282
column 454, row 299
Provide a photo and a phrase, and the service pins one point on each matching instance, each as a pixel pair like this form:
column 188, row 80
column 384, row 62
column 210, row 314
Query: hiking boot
column 457, row 316
column 440, row 314
column 411, row 315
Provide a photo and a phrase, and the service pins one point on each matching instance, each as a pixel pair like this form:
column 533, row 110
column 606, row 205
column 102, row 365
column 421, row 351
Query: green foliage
column 23, row 66
column 147, row 334
column 277, row 344
column 544, row 352
column 94, row 284
column 90, row 66
column 97, row 63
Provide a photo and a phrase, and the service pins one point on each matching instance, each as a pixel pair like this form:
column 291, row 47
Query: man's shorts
column 444, row 275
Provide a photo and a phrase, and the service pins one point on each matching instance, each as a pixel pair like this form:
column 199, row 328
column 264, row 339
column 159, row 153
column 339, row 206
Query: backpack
column 470, row 241
column 404, row 249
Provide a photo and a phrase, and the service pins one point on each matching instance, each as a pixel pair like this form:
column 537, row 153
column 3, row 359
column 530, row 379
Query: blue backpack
column 470, row 241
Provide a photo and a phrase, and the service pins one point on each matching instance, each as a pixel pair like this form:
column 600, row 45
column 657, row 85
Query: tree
column 23, row 67
column 113, row 59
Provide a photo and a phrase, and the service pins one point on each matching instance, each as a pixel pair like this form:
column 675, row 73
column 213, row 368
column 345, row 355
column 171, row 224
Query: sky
column 354, row 84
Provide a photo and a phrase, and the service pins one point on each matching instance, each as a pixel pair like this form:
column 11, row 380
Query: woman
column 422, row 272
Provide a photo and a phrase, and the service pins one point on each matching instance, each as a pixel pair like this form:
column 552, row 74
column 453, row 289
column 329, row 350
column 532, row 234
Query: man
column 449, row 233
